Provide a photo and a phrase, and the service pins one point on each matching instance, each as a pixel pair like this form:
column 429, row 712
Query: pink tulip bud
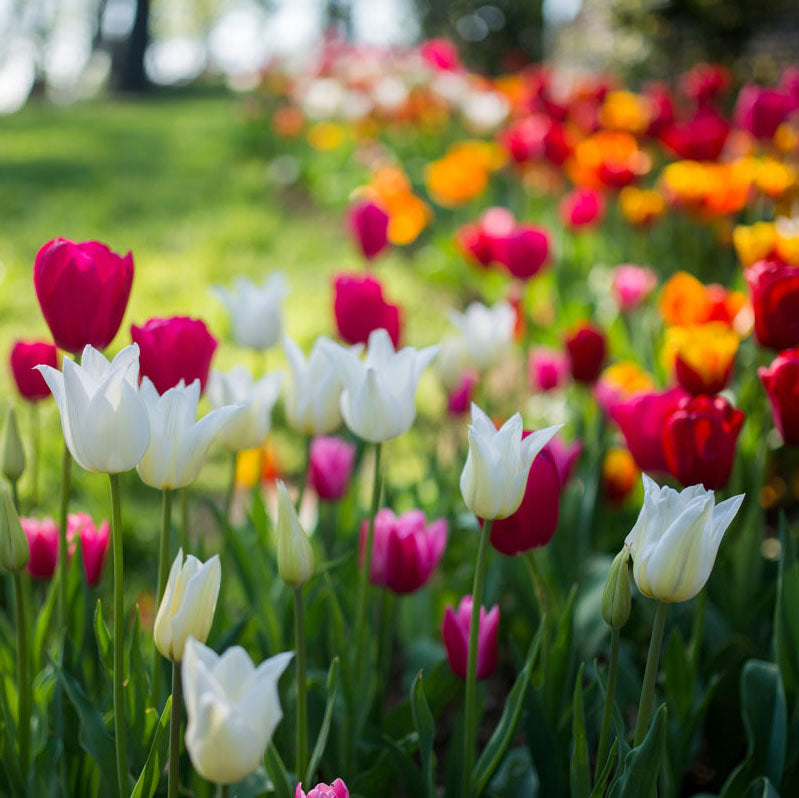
column 368, row 224
column 338, row 789
column 547, row 368
column 25, row 356
column 455, row 633
column 42, row 537
column 632, row 285
column 94, row 542
column 330, row 467
column 460, row 400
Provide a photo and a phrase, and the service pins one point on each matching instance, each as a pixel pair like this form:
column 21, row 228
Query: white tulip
column 676, row 538
column 187, row 608
column 103, row 415
column 484, row 111
column 498, row 464
column 451, row 362
column 248, row 428
column 233, row 709
column 313, row 400
column 487, row 332
column 295, row 560
column 379, row 398
column 178, row 442
column 255, row 311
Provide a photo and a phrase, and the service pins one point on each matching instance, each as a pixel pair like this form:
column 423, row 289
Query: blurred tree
column 129, row 72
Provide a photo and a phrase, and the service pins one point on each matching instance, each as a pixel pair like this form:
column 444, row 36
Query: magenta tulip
column 337, row 789
column 94, row 541
column 25, row 356
column 455, row 633
column 42, row 537
column 330, row 467
column 368, row 224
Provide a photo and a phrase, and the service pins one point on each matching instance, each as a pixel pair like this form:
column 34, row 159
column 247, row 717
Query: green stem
column 119, row 640
column 470, row 709
column 231, row 491
column 35, row 436
column 23, row 678
column 66, row 468
column 302, row 684
column 538, row 583
column 15, row 495
column 651, row 673
column 174, row 731
column 303, row 481
column 163, row 571
column 184, row 518
column 610, row 697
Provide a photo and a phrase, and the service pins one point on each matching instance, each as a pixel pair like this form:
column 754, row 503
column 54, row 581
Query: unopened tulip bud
column 295, row 559
column 616, row 595
column 14, row 549
column 13, row 452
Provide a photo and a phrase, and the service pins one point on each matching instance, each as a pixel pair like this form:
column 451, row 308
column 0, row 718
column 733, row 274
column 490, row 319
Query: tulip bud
column 295, row 561
column 616, row 595
column 14, row 550
column 13, row 452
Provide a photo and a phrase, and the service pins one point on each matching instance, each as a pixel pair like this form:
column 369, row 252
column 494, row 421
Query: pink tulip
column 368, row 224
column 94, row 542
column 632, row 285
column 25, row 356
column 547, row 368
column 761, row 111
column 524, row 252
column 565, row 455
column 460, row 400
column 405, row 549
column 455, row 633
column 359, row 308
column 582, row 208
column 330, row 467
column 42, row 537
column 338, row 789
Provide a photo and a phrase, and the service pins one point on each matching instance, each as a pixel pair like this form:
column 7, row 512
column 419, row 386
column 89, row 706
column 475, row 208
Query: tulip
column 781, row 381
column 699, row 439
column 83, row 291
column 441, row 54
column 547, row 368
column 255, row 311
column 233, row 709
column 188, row 605
column 616, row 600
column 619, row 382
column 761, row 111
column 379, row 398
column 494, row 478
column 460, row 400
column 406, row 549
column 295, row 559
column 368, row 224
column 536, row 520
column 178, row 442
column 338, row 789
column 330, row 467
column 314, row 398
column 12, row 452
column 581, row 208
column 675, row 539
column 42, row 538
column 103, row 416
column 360, row 309
column 525, row 251
column 455, row 633
column 473, row 242
column 704, row 356
column 619, row 475
column 632, row 285
column 775, row 298
column 565, row 456
column 14, row 549
column 174, row 349
column 451, row 362
column 587, row 349
column 248, row 427
column 487, row 332
column 94, row 542
column 700, row 138
column 25, row 356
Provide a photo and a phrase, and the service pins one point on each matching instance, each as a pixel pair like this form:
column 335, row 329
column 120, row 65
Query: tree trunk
column 132, row 77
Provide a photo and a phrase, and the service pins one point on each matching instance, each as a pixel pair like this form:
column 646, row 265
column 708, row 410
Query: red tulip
column 536, row 520
column 662, row 108
column 587, row 350
column 582, row 207
column 699, row 440
column 781, row 381
column 43, row 542
column 25, row 356
column 94, row 541
column 406, row 549
column 455, row 633
column 699, row 139
column 705, row 82
column 83, row 291
column 359, row 308
column 330, row 467
column 761, row 111
column 175, row 349
column 775, row 300
column 368, row 223
column 525, row 251
column 474, row 244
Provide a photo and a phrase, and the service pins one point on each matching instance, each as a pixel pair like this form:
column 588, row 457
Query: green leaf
column 761, row 788
column 327, row 719
column 138, row 693
column 506, row 728
column 147, row 782
column 786, row 611
column 558, row 667
column 602, row 778
column 42, row 625
column 639, row 774
column 425, row 728
column 104, row 642
column 678, row 677
column 278, row 773
column 579, row 775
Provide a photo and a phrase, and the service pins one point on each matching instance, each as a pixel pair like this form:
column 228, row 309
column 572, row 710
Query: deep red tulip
column 536, row 520
column 42, row 537
column 330, row 467
column 405, row 549
column 587, row 349
column 94, row 541
column 175, row 349
column 83, row 291
column 775, row 300
column 699, row 139
column 25, row 356
column 703, row 83
column 474, row 244
column 368, row 224
column 699, row 440
column 455, row 633
column 359, row 308
column 525, row 251
column 661, row 105
column 582, row 207
column 781, row 381
column 761, row 111
column 641, row 419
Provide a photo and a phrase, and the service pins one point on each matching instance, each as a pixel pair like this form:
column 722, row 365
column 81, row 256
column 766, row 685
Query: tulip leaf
column 425, row 728
column 327, row 719
column 786, row 611
column 579, row 775
column 506, row 728
column 104, row 643
column 277, row 772
column 138, row 693
column 678, row 677
column 602, row 778
column 42, row 625
column 639, row 773
column 761, row 788
column 148, row 780
column 559, row 664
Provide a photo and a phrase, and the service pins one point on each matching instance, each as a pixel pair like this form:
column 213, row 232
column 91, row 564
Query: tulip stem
column 231, row 491
column 119, row 640
column 174, row 731
column 651, row 673
column 610, row 698
column 23, row 677
column 184, row 518
column 470, row 705
column 66, row 468
column 35, row 436
column 163, row 559
column 302, row 696
column 538, row 583
column 303, row 480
